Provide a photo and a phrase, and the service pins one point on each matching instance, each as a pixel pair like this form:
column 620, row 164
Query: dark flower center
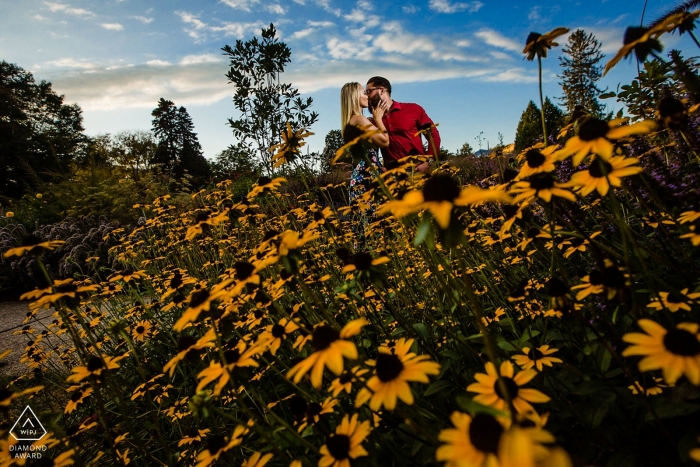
column 577, row 242
column 202, row 217
column 509, row 175
column 533, row 232
column 75, row 397
column 362, row 260
column 675, row 298
column 140, row 329
column 343, row 254
column 264, row 181
column 613, row 278
column 556, row 287
column 485, row 433
column 534, row 354
column 670, row 106
column 511, row 388
column 176, row 282
column 593, row 129
column 532, row 37
column 389, row 367
column 94, row 364
column 318, row 216
column 323, row 336
column 634, row 34
column 338, row 446
column 599, row 168
column 185, row 343
column 534, row 158
column 314, row 409
column 518, row 290
column 31, row 240
column 510, row 210
column 297, row 405
column 596, row 277
column 232, row 356
column 198, row 298
column 243, row 270
column 215, row 444
column 278, row 331
column 345, row 377
column 441, row 188
column 681, row 342
column 541, row 181
column 127, row 272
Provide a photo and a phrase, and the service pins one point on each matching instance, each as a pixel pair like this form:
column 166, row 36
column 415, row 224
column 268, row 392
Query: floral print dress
column 360, row 179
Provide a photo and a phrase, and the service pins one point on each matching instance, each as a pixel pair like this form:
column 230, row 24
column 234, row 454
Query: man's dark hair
column 380, row 82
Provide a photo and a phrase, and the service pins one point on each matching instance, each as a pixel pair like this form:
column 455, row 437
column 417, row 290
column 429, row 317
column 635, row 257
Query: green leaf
column 607, row 95
column 505, row 345
column 469, row 405
column 587, row 388
column 424, row 230
column 437, row 386
column 600, row 414
column 679, row 409
column 422, row 331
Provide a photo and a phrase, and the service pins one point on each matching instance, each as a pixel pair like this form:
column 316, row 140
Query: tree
column 40, row 136
column 465, row 150
column 580, row 73
column 334, row 141
column 529, row 129
column 265, row 104
column 178, row 150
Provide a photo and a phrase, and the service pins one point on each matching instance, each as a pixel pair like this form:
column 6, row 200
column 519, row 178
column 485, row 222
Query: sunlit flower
column 675, row 352
column 537, row 44
column 330, row 346
column 602, row 174
column 394, row 368
column 536, row 357
column 610, row 280
column 489, row 391
column 200, row 300
column 346, row 443
column 96, row 366
column 537, row 160
column 288, row 150
column 127, row 275
column 79, row 394
column 240, row 355
column 540, row 185
column 266, row 185
column 257, row 460
column 141, row 331
column 651, row 387
column 32, row 244
column 218, row 445
column 675, row 301
column 344, row 382
column 274, row 334
column 596, row 136
column 640, row 40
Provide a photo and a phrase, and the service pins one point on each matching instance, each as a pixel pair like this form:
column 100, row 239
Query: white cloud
column 303, row 33
column 364, row 5
column 500, row 55
column 444, row 6
column 610, row 38
column 495, row 39
column 463, row 43
column 410, row 9
column 238, row 30
column 63, row 8
column 326, row 5
column 299, row 2
column 198, row 59
column 112, row 26
column 158, row 62
column 69, row 63
column 240, row 4
column 143, row 19
column 535, row 13
column 320, row 24
column 275, row 8
column 513, row 75
column 360, row 16
column 198, row 29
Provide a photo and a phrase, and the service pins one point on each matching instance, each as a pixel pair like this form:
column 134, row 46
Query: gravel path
column 12, row 315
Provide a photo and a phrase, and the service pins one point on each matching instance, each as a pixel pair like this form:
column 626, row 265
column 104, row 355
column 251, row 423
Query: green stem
column 544, row 125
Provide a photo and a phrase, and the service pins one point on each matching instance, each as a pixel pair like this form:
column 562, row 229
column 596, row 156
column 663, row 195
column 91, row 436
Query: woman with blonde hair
column 353, row 124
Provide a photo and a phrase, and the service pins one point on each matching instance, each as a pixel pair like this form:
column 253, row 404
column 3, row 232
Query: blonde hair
column 349, row 104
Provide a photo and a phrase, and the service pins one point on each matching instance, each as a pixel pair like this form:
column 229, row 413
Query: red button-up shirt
column 402, row 122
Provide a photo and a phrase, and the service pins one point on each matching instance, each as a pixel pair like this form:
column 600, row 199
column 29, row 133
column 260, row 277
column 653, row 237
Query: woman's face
column 363, row 98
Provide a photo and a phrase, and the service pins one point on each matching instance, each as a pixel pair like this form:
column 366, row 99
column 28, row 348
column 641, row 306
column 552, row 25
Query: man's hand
column 423, row 168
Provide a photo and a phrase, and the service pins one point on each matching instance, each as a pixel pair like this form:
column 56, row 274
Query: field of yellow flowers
column 544, row 316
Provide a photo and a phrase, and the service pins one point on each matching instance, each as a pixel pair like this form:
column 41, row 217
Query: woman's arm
column 380, row 139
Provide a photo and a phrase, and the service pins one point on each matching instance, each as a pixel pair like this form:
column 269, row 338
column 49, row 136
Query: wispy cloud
column 444, row 6
column 513, row 75
column 320, row 24
column 535, row 13
column 360, row 16
column 199, row 59
column 275, row 8
column 410, row 9
column 158, row 62
column 240, row 4
column 238, row 30
column 112, row 26
column 143, row 19
column 326, row 5
column 303, row 33
column 199, row 30
column 495, row 39
column 64, row 8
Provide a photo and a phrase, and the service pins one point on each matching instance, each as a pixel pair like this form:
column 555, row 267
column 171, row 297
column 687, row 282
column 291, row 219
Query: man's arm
column 424, row 122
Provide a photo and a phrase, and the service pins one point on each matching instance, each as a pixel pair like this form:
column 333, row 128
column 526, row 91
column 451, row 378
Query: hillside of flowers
column 547, row 315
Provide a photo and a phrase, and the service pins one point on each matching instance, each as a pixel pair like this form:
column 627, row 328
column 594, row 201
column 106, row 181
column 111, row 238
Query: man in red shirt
column 402, row 121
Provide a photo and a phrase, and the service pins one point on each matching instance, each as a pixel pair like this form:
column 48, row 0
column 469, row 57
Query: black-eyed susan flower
column 200, row 300
column 540, row 185
column 346, row 443
column 602, row 174
column 288, row 149
column 266, row 185
column 537, row 44
column 257, row 460
column 96, row 366
column 440, row 194
column 536, row 357
column 345, row 381
column 640, row 40
column 537, row 160
column 239, row 356
column 363, row 261
column 394, row 368
column 189, row 346
column 312, row 412
column 650, row 387
column 473, row 442
column 596, row 136
column 32, row 244
column 356, row 147
column 218, row 445
column 141, row 331
column 7, row 395
column 330, row 346
column 61, row 289
column 127, row 275
column 274, row 334
column 676, row 352
column 489, row 392
column 291, row 241
column 192, row 436
column 674, row 301
column 78, row 395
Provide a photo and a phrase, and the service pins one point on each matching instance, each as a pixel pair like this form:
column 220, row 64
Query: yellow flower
column 596, row 136
column 536, row 357
column 217, row 445
column 362, row 141
column 128, row 274
column 257, row 460
column 290, row 241
column 602, row 174
column 489, row 391
column 96, row 366
column 274, row 334
column 346, row 443
column 675, row 301
column 652, row 387
column 440, row 194
column 541, row 185
column 77, row 397
column 32, row 244
column 395, row 367
column 141, row 331
column 239, row 356
column 642, row 41
column 330, row 347
column 200, row 300
column 537, row 44
column 288, row 149
column 344, row 381
column 266, row 185
column 9, row 214
column 39, row 196
column 675, row 352
column 537, row 161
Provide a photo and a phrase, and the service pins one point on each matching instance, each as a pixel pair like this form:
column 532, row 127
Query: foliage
column 332, row 142
column 39, row 134
column 265, row 104
column 581, row 71
column 465, row 150
column 529, row 129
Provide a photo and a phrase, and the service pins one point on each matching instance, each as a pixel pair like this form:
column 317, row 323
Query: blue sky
column 461, row 60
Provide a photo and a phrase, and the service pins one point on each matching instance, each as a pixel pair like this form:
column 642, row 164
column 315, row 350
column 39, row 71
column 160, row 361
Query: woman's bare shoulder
column 359, row 120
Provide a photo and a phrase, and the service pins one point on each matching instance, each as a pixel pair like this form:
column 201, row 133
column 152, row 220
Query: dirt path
column 12, row 315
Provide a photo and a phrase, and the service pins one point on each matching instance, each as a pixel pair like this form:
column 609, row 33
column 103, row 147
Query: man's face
column 374, row 94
